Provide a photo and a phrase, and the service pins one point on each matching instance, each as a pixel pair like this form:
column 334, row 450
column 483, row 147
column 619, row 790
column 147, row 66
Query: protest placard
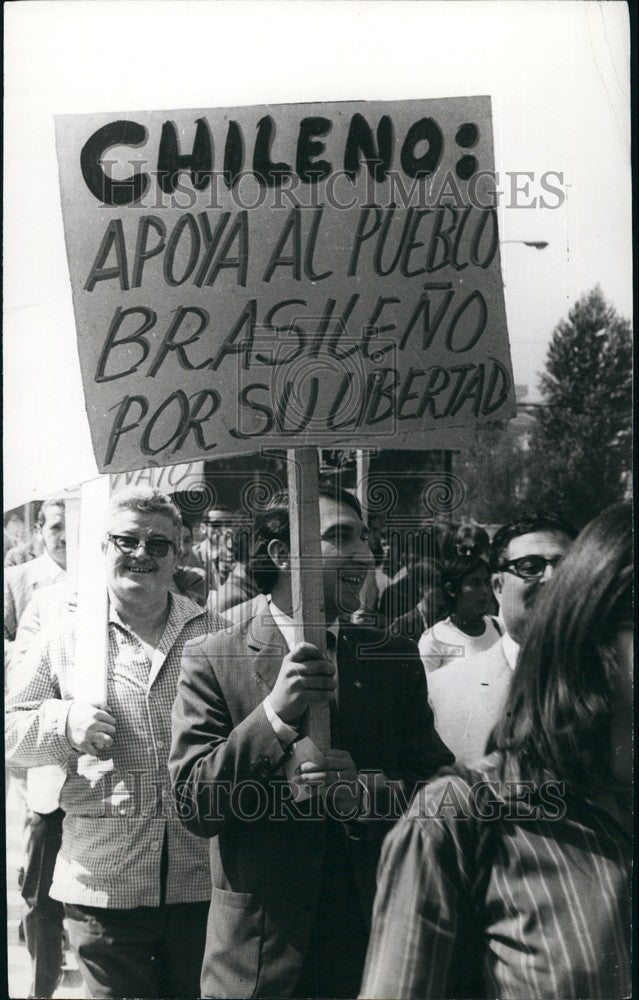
column 283, row 276
column 171, row 478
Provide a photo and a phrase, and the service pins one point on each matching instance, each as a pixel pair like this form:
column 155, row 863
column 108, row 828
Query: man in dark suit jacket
column 294, row 878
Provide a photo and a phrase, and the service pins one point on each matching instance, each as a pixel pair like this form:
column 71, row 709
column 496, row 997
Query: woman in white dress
column 469, row 628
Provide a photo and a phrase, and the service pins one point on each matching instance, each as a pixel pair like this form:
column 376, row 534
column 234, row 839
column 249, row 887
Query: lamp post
column 537, row 244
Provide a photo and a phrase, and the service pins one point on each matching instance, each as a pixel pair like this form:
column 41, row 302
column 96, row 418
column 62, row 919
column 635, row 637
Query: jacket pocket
column 233, row 945
column 97, row 848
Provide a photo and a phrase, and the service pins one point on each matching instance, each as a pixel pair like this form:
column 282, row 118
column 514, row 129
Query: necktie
column 322, row 716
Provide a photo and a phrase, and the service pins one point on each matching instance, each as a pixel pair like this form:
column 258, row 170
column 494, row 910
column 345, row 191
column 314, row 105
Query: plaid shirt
column 118, row 806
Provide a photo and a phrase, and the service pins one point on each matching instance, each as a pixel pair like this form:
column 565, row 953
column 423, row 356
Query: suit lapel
column 269, row 647
column 353, row 694
column 268, row 644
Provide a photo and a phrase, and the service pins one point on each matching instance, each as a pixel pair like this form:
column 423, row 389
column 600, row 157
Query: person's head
column 524, row 555
column 52, row 531
column 471, row 540
column 425, row 581
column 142, row 544
column 377, row 538
column 573, row 682
column 466, row 587
column 346, row 556
column 186, row 539
column 14, row 528
column 445, row 534
column 218, row 525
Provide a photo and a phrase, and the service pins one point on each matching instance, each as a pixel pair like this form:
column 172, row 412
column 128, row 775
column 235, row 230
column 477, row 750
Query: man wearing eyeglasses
column 467, row 695
column 216, row 549
column 135, row 883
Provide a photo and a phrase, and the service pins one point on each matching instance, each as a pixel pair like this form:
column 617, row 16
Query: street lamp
column 537, row 244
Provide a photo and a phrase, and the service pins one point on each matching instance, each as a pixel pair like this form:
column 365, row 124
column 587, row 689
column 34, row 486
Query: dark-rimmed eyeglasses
column 530, row 567
column 157, row 548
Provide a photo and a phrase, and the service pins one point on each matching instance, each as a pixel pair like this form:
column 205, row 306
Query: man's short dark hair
column 273, row 523
column 525, row 522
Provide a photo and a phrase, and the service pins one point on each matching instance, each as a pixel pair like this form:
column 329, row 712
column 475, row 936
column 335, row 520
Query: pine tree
column 581, row 449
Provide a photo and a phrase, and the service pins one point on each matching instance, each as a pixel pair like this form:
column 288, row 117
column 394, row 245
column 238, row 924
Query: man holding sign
column 135, row 884
column 293, row 862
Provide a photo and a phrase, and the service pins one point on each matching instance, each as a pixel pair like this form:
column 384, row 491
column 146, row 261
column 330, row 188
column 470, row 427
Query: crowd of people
column 465, row 831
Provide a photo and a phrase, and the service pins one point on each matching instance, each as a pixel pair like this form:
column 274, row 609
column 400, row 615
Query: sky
column 557, row 73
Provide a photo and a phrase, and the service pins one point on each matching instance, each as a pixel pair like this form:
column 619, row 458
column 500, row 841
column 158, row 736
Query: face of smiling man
column 346, row 556
column 136, row 576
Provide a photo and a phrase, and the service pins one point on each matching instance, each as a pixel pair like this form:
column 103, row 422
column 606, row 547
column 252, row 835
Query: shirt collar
column 286, row 625
column 181, row 611
column 54, row 572
column 511, row 650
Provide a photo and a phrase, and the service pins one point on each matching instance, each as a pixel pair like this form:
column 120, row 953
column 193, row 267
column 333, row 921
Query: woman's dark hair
column 273, row 522
column 557, row 717
column 453, row 572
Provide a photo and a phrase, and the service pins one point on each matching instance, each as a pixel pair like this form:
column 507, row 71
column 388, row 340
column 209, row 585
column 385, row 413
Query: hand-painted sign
column 286, row 275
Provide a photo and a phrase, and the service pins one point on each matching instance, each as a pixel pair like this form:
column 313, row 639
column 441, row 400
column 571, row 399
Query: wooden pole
column 72, row 532
column 92, row 612
column 362, row 463
column 306, row 577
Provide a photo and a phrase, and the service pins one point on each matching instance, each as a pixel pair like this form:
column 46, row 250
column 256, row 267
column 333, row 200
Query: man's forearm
column 36, row 735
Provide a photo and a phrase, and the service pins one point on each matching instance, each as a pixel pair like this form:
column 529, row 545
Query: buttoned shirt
column 501, row 890
column 55, row 573
column 118, row 806
column 511, row 650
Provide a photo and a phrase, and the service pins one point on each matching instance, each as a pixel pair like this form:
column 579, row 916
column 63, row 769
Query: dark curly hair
column 525, row 522
column 274, row 523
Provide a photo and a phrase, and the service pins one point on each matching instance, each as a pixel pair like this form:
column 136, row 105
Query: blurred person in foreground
column 468, row 694
column 134, row 882
column 512, row 878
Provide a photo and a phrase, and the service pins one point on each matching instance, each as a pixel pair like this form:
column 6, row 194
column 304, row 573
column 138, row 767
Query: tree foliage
column 581, row 448
column 492, row 473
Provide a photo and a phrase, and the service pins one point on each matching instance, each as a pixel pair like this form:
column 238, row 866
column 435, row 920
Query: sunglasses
column 530, row 567
column 157, row 548
column 467, row 550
